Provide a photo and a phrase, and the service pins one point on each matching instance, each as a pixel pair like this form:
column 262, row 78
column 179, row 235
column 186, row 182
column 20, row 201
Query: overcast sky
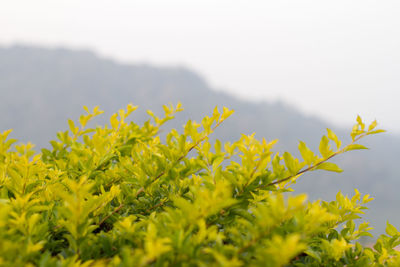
column 334, row 59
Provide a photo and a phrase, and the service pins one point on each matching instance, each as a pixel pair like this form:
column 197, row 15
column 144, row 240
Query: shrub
column 121, row 195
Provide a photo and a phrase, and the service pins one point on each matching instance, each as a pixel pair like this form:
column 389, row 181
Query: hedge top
column 121, row 195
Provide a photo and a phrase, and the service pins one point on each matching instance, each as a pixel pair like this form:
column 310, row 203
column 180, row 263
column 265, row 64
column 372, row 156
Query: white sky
column 334, row 59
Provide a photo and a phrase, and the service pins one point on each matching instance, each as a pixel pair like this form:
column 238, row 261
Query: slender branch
column 303, row 171
column 315, row 165
column 113, row 212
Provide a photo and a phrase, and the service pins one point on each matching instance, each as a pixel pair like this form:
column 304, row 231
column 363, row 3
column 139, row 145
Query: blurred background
column 289, row 68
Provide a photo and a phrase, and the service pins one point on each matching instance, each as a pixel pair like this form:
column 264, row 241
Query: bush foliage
column 123, row 195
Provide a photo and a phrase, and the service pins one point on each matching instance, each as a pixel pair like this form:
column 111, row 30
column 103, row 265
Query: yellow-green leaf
column 329, row 166
column 355, row 147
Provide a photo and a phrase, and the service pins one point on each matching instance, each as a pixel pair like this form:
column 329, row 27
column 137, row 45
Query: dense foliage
column 130, row 195
column 43, row 87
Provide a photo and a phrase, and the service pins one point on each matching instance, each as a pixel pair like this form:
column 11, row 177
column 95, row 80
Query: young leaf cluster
column 120, row 195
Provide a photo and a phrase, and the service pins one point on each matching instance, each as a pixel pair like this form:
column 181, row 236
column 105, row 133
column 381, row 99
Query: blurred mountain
column 42, row 88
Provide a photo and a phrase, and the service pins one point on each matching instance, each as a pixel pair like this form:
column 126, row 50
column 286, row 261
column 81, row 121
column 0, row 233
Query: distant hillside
column 41, row 88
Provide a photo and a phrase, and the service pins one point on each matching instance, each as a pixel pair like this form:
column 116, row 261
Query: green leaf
column 83, row 120
column 324, row 147
column 86, row 109
column 217, row 146
column 372, row 125
column 391, row 230
column 178, row 107
column 376, row 132
column 355, row 147
column 360, row 123
column 314, row 254
column 216, row 114
column 114, row 121
column 217, row 161
column 306, row 153
column 334, row 138
column 72, row 126
column 290, row 163
column 206, row 123
column 329, row 166
column 226, row 113
column 167, row 110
